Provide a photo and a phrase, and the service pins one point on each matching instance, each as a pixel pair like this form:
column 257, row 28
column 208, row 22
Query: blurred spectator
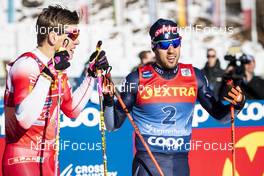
column 254, row 84
column 213, row 71
column 146, row 57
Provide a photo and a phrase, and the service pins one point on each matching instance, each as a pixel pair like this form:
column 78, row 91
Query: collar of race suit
column 165, row 73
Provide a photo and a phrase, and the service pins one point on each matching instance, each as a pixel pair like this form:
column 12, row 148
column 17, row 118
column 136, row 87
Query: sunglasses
column 73, row 35
column 165, row 44
column 210, row 56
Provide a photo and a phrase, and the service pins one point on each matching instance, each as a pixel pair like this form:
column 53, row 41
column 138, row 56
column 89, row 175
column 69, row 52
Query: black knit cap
column 163, row 29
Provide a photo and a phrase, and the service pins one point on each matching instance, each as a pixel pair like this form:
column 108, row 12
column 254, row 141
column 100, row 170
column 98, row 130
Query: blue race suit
column 162, row 104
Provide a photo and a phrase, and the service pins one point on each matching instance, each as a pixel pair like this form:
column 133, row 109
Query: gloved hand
column 234, row 95
column 61, row 60
column 58, row 63
column 108, row 90
column 97, row 63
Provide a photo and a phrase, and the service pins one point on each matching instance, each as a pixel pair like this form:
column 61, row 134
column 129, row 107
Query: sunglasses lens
column 166, row 44
column 176, row 43
column 210, row 56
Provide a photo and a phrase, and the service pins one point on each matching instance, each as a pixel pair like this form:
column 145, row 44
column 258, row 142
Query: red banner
column 2, row 148
column 211, row 154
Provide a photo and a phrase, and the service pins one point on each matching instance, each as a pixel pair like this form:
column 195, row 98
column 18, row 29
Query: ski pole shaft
column 102, row 124
column 57, row 127
column 117, row 94
column 233, row 139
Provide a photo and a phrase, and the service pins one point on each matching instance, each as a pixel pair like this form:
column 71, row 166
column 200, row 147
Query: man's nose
column 170, row 49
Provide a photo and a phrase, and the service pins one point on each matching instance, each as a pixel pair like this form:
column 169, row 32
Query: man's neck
column 47, row 51
column 165, row 73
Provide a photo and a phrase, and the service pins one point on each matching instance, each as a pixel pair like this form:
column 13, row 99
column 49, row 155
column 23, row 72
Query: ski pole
column 233, row 139
column 57, row 120
column 230, row 84
column 118, row 96
column 57, row 126
column 102, row 123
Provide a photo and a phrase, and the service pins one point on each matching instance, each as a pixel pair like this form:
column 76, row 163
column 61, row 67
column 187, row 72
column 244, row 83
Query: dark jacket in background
column 254, row 89
column 214, row 76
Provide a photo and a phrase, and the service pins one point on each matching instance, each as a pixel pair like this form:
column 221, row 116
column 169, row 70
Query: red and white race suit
column 30, row 105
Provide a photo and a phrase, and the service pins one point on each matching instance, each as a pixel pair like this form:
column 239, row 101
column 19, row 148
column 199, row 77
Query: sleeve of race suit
column 74, row 103
column 30, row 90
column 115, row 115
column 206, row 98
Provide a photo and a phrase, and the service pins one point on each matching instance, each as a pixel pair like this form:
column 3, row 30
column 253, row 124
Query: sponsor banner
column 212, row 152
column 2, row 119
column 86, row 170
column 251, row 115
column 81, row 148
column 81, row 145
column 2, row 148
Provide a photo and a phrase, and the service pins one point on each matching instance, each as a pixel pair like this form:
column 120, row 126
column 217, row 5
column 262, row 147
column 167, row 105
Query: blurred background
column 230, row 27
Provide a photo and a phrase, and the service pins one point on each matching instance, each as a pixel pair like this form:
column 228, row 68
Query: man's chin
column 170, row 66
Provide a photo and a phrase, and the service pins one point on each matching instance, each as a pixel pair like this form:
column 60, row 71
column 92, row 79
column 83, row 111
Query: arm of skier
column 216, row 108
column 74, row 102
column 30, row 90
column 114, row 114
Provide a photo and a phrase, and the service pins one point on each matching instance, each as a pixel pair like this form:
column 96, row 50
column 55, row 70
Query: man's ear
column 52, row 38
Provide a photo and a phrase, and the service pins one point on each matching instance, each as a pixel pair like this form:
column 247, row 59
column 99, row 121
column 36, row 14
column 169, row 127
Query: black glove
column 233, row 94
column 61, row 60
column 108, row 91
column 58, row 63
column 97, row 63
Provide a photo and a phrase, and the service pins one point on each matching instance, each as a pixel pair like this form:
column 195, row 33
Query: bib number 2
column 170, row 112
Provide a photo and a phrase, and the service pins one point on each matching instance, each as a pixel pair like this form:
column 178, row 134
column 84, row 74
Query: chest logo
column 146, row 74
column 186, row 72
column 147, row 92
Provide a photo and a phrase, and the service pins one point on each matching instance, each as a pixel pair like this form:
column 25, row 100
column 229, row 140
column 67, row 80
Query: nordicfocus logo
column 83, row 170
column 178, row 144
column 251, row 111
column 166, row 143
